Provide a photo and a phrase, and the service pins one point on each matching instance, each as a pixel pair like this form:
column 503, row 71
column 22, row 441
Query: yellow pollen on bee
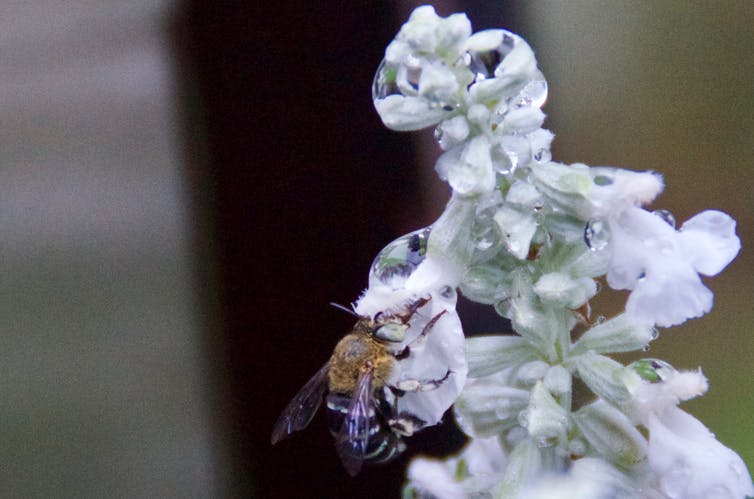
column 354, row 355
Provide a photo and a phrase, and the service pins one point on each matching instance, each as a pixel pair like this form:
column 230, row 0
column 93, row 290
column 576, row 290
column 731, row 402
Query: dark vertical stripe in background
column 308, row 187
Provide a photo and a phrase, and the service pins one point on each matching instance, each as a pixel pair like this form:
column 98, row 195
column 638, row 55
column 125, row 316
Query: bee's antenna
column 344, row 309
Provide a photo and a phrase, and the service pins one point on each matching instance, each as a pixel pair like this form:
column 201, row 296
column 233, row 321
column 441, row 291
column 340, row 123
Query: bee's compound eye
column 392, row 331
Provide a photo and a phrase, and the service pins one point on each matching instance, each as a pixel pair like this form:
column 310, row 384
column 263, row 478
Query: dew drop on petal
column 385, row 81
column 485, row 234
column 543, row 442
column 504, row 161
column 602, row 180
column 666, row 217
column 438, row 135
column 448, row 292
column 523, row 418
column 542, row 156
column 652, row 370
column 503, row 412
column 596, row 235
column 400, row 258
column 483, row 63
column 534, row 94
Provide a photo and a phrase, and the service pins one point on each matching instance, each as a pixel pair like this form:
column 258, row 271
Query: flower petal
column 690, row 462
column 709, row 239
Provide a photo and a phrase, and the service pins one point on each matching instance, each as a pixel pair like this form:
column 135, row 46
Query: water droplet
column 505, row 307
column 645, row 348
column 504, row 161
column 385, row 81
column 599, row 320
column 484, row 62
column 666, row 217
column 486, row 235
column 596, row 235
column 403, row 79
column 534, row 94
column 400, row 258
column 598, row 286
column 602, row 180
column 543, row 442
column 652, row 370
column 523, row 418
column 503, row 412
column 447, row 292
column 438, row 135
column 642, row 276
column 542, row 156
column 654, row 334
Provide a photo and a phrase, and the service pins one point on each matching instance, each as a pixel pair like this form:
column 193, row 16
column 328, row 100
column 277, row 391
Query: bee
column 360, row 380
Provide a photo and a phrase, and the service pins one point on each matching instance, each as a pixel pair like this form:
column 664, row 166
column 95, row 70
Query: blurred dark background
column 184, row 187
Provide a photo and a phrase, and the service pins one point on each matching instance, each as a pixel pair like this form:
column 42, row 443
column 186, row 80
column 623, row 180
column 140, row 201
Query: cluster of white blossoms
column 530, row 236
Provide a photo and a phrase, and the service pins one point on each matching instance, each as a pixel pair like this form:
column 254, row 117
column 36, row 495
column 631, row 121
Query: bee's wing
column 302, row 408
column 353, row 436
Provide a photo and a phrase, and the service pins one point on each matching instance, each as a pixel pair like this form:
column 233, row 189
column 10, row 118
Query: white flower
column 427, row 33
column 690, row 463
column 468, row 167
column 397, row 281
column 684, row 456
column 581, row 482
column 484, row 88
column 440, row 355
column 596, row 192
column 661, row 266
column 474, row 471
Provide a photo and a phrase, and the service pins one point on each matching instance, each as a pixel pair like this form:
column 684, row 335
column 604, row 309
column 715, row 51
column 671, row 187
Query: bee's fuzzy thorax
column 352, row 356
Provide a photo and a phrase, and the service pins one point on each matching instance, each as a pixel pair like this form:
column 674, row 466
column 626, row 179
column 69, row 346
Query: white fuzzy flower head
column 530, row 236
column 595, row 193
column 483, row 91
column 686, row 459
column 661, row 266
column 655, row 385
column 401, row 275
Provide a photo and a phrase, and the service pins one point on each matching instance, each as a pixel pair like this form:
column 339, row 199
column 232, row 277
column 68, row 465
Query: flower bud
column 546, row 420
column 603, row 376
column 490, row 354
column 610, row 434
column 619, row 334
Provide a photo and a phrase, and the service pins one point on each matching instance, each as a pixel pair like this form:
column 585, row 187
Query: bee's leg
column 406, row 351
column 415, row 385
column 405, row 317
